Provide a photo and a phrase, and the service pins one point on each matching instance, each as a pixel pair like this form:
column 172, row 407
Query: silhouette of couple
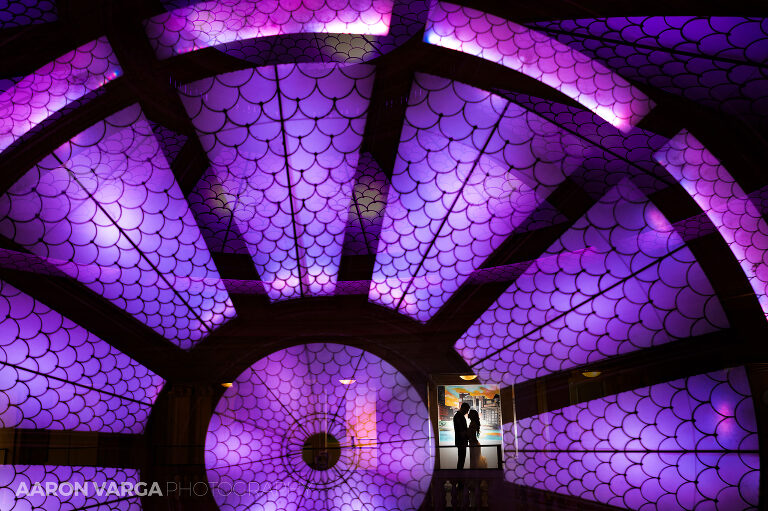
column 468, row 435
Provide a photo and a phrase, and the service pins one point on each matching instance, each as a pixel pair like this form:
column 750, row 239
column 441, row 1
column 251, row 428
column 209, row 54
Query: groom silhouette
column 460, row 432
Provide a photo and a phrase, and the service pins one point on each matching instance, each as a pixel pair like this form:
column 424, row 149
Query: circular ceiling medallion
column 288, row 434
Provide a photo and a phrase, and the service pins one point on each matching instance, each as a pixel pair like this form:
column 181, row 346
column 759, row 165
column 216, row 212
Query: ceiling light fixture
column 468, row 377
column 346, row 382
column 591, row 374
column 226, row 385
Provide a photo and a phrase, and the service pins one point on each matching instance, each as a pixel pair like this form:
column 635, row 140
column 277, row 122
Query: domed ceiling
column 263, row 193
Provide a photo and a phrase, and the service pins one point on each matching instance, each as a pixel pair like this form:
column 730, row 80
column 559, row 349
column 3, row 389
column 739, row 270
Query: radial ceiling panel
column 471, row 169
column 192, row 26
column 283, row 142
column 541, row 57
column 36, row 97
column 56, row 375
column 687, row 444
column 720, row 62
column 108, row 202
column 621, row 279
column 735, row 215
column 262, row 428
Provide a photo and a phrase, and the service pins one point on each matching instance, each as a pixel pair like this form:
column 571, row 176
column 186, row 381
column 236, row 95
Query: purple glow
column 471, row 169
column 12, row 477
column 213, row 23
column 261, row 422
column 56, row 375
column 537, row 55
column 687, row 444
column 108, row 198
column 621, row 279
column 18, row 13
column 52, row 87
column 733, row 213
column 713, row 60
column 254, row 122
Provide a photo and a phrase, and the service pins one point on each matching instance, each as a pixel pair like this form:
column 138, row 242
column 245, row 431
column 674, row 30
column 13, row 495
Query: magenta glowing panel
column 56, row 375
column 734, row 214
column 619, row 280
column 22, row 478
column 541, row 57
column 108, row 202
column 716, row 61
column 18, row 13
column 258, row 434
column 688, row 444
column 369, row 197
column 36, row 97
column 205, row 24
column 471, row 169
column 283, row 143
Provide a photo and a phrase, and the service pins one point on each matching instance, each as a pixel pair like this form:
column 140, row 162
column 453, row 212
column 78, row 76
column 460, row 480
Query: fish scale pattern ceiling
column 308, row 158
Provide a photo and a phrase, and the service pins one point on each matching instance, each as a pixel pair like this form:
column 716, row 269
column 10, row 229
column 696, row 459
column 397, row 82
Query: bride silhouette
column 476, row 460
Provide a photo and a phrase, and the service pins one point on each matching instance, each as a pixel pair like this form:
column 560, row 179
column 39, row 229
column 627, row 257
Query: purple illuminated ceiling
column 260, row 425
column 687, row 444
column 734, row 214
column 620, row 279
column 36, row 97
column 12, row 477
column 283, row 143
column 17, row 13
column 719, row 62
column 56, row 375
column 192, row 26
column 541, row 57
column 471, row 168
column 108, row 200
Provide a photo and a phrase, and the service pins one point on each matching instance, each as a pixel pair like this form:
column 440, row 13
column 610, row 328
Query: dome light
column 591, row 374
column 468, row 377
column 347, row 382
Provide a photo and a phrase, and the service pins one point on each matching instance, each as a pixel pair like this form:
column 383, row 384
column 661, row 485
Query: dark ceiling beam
column 71, row 448
column 261, row 330
column 724, row 272
column 386, row 117
column 152, row 85
column 659, row 364
column 384, row 123
column 741, row 149
column 21, row 157
column 528, row 11
column 469, row 302
column 26, row 49
column 105, row 320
